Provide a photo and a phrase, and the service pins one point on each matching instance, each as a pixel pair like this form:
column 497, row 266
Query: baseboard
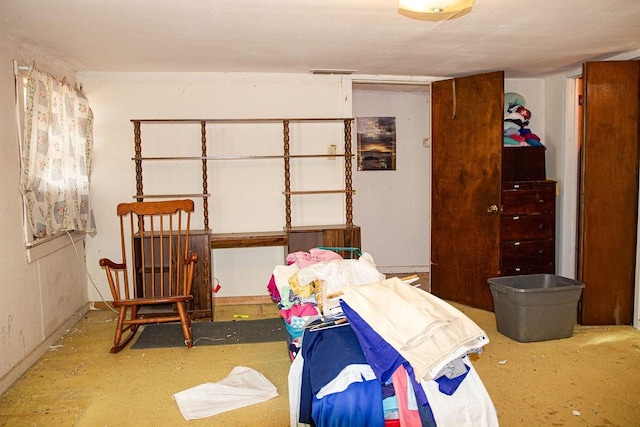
column 244, row 300
column 403, row 269
column 220, row 301
column 32, row 357
column 99, row 305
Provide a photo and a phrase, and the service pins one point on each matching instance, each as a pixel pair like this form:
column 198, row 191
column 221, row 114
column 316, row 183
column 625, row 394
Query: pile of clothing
column 516, row 120
column 401, row 357
column 302, row 285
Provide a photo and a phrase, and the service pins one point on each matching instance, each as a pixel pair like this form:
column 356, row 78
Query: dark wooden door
column 609, row 192
column 467, row 127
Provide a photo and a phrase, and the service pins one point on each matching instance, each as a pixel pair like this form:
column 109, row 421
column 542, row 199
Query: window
column 56, row 138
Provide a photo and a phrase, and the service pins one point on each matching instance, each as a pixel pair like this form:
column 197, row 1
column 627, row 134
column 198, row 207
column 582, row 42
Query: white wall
column 247, row 195
column 563, row 162
column 40, row 300
column 393, row 207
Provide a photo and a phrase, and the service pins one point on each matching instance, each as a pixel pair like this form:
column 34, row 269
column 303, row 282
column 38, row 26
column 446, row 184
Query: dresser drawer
column 535, row 252
column 529, row 269
column 528, row 197
column 527, row 227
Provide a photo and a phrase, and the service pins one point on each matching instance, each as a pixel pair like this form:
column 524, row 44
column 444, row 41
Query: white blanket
column 428, row 332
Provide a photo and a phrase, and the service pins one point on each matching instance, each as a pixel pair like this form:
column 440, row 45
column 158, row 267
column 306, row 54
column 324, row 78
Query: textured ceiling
column 524, row 38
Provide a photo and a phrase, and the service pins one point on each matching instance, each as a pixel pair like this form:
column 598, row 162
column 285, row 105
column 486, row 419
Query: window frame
column 35, row 247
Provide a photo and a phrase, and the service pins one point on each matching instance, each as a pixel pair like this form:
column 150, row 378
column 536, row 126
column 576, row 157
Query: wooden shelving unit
column 291, row 237
column 223, row 240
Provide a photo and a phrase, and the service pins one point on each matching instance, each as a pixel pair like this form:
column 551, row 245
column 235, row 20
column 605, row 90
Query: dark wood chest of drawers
column 527, row 227
column 199, row 241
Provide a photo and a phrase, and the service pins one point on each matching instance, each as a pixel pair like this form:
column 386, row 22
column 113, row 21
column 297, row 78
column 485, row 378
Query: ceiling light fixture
column 434, row 10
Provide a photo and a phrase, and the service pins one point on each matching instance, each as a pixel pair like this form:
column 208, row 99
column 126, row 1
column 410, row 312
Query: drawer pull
column 541, row 226
column 515, row 218
column 516, row 244
column 541, row 200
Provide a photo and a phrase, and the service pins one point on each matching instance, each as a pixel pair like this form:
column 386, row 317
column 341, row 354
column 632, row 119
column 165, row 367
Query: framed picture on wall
column 376, row 143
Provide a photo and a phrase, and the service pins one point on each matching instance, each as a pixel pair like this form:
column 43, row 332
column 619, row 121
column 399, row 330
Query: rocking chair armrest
column 106, row 262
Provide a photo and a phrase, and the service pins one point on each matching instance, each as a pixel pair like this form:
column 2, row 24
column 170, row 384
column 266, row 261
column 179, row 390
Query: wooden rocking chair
column 155, row 255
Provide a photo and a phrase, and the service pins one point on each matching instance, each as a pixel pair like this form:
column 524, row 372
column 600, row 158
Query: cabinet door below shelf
column 199, row 242
column 307, row 237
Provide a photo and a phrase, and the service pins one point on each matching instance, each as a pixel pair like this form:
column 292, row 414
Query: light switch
column 331, row 151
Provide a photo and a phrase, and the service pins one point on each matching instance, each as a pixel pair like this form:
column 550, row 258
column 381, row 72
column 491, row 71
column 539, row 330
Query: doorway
column 606, row 134
column 393, row 206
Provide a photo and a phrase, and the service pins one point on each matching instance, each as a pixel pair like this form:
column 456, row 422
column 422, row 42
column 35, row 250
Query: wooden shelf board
column 306, row 228
column 298, row 193
column 169, row 196
column 241, row 157
column 248, row 240
column 266, row 120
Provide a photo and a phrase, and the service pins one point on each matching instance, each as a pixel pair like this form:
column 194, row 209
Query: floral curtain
column 56, row 157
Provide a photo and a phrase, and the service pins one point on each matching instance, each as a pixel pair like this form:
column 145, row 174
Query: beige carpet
column 592, row 379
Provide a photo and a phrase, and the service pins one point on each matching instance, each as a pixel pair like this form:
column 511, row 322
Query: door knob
column 492, row 209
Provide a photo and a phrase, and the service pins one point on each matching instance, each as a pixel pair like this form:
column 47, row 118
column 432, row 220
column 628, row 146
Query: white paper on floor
column 242, row 387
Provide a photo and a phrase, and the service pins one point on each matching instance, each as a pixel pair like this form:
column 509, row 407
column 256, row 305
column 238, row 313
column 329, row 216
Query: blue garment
column 381, row 356
column 387, row 390
column 383, row 359
column 534, row 142
column 449, row 386
column 360, row 405
column 390, row 405
column 326, row 352
column 426, row 416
